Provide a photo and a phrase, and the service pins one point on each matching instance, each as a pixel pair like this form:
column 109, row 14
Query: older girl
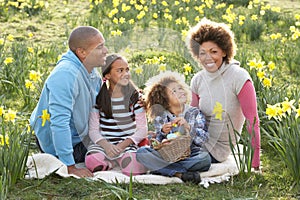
column 118, row 123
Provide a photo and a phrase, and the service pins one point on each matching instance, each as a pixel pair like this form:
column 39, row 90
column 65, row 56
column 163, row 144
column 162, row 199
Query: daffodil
column 122, row 20
column 267, row 82
column 138, row 70
column 4, row 140
column 155, row 60
column 271, row 66
column 10, row 37
column 254, row 17
column 187, row 68
column 30, row 34
column 29, row 84
column 252, row 63
column 115, row 20
column 184, row 34
column 297, row 112
column 178, row 21
column 8, row 60
column 162, row 67
column 30, row 49
column 218, row 110
column 1, row 110
column 260, row 74
column 162, row 58
column 10, row 115
column 34, row 76
column 131, row 21
column 164, row 3
column 45, row 116
column 287, row 106
column 272, row 111
column 141, row 15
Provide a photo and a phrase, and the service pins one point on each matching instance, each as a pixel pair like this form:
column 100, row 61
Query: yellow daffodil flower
column 138, row 70
column 10, row 115
column 267, row 82
column 1, row 110
column 34, row 76
column 297, row 112
column 218, row 110
column 271, row 111
column 287, row 106
column 45, row 116
column 4, row 141
column 8, row 60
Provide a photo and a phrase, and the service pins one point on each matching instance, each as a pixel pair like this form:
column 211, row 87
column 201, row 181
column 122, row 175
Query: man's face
column 96, row 53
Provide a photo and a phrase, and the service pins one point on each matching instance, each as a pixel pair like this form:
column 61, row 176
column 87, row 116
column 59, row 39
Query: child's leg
column 129, row 164
column 151, row 159
column 97, row 162
column 198, row 161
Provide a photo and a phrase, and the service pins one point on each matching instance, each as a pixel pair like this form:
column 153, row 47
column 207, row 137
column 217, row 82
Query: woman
column 222, row 81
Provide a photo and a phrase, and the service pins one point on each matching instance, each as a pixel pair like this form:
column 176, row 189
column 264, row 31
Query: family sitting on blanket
column 117, row 123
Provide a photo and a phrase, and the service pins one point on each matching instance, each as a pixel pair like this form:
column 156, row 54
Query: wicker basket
column 176, row 149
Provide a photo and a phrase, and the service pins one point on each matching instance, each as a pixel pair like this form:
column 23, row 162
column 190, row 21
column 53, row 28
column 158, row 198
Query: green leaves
column 284, row 138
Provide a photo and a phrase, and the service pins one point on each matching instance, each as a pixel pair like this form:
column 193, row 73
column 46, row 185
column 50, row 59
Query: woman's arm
column 247, row 99
column 195, row 100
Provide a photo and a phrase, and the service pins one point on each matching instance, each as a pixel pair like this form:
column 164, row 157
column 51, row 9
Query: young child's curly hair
column 156, row 99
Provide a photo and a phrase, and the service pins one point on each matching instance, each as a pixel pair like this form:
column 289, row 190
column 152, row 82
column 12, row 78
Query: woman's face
column 176, row 94
column 211, row 56
column 119, row 73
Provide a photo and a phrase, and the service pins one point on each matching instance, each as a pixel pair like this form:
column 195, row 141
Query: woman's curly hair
column 156, row 99
column 218, row 33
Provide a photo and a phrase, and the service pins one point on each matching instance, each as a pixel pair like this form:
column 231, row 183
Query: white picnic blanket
column 41, row 165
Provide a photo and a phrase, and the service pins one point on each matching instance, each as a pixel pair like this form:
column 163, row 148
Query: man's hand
column 80, row 172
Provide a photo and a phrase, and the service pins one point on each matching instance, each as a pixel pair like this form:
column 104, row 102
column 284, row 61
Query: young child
column 166, row 101
column 118, row 123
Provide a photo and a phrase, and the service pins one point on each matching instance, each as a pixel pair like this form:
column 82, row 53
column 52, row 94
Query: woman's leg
column 97, row 162
column 129, row 164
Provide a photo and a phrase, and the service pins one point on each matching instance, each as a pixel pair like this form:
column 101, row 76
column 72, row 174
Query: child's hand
column 180, row 121
column 167, row 127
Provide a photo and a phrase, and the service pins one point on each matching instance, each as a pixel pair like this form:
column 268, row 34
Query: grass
column 270, row 185
column 286, row 5
column 54, row 28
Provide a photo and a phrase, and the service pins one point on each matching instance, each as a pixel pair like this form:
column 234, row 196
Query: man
column 68, row 95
